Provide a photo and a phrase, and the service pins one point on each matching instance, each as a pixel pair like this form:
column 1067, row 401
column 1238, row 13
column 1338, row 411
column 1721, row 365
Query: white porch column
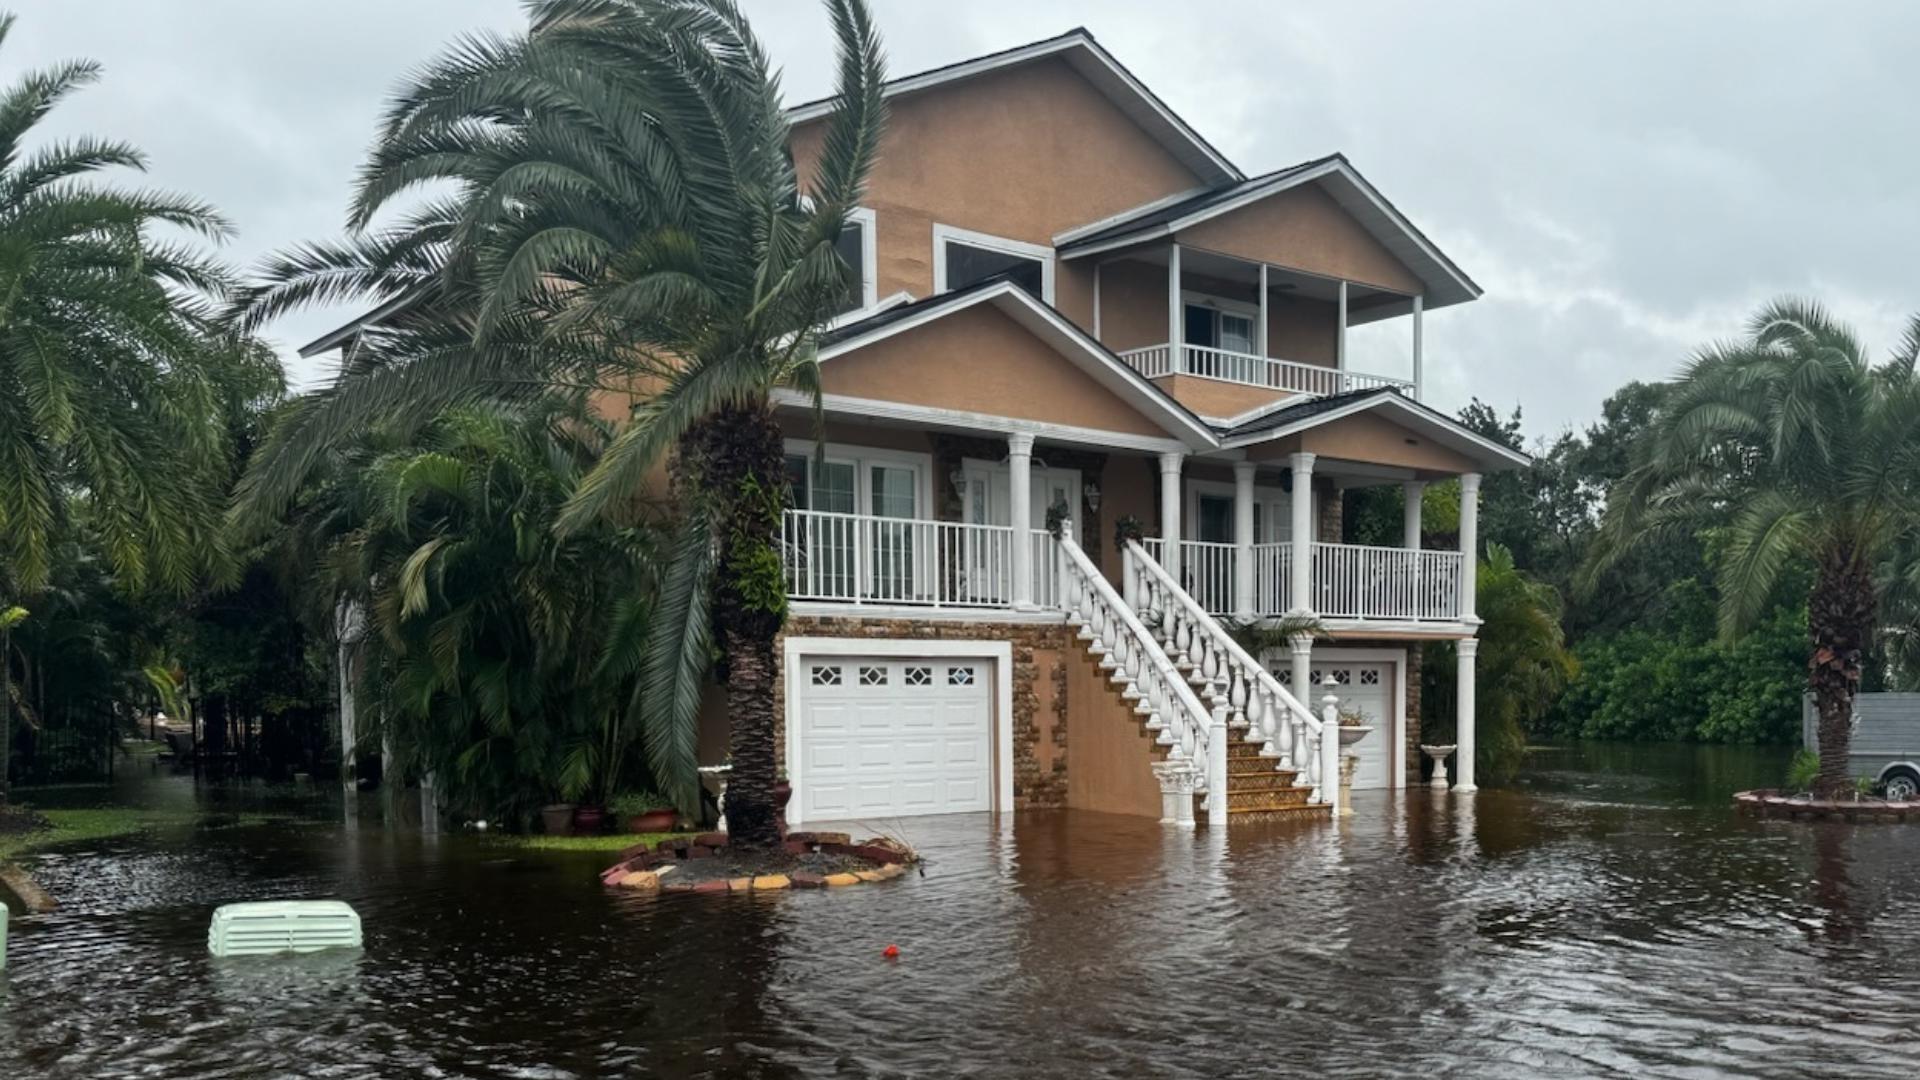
column 1302, row 646
column 1176, row 340
column 1469, row 543
column 1300, row 596
column 1243, row 539
column 1020, row 514
column 1419, row 309
column 1467, row 649
column 1410, row 518
column 1170, row 510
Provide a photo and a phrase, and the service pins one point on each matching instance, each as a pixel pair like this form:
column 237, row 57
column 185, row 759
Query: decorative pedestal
column 1439, row 755
column 1349, row 761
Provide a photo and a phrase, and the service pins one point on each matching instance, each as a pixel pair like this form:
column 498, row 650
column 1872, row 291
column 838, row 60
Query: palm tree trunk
column 1840, row 616
column 737, row 456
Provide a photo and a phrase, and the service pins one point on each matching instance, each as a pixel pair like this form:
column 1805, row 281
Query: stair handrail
column 1255, row 699
column 1193, row 734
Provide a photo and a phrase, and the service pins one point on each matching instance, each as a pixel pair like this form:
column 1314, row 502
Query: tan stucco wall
column 1023, row 153
column 1306, row 229
column 1133, row 305
column 1215, row 398
column 1109, row 753
column 982, row 361
column 1128, row 485
column 1304, row 331
column 799, row 425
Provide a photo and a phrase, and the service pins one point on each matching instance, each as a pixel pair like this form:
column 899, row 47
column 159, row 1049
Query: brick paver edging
column 1769, row 803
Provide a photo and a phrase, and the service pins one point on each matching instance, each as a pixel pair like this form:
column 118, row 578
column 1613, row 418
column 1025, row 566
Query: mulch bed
column 16, row 820
column 1770, row 803
column 708, row 864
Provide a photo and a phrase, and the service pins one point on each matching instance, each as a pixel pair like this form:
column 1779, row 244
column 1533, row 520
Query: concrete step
column 1279, row 797
column 1263, row 813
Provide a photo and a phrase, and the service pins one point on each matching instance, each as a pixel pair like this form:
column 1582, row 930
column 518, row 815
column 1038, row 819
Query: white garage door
column 1366, row 686
column 886, row 737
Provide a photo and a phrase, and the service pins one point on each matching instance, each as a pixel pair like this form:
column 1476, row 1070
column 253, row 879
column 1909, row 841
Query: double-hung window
column 861, row 536
column 1217, row 328
column 856, row 247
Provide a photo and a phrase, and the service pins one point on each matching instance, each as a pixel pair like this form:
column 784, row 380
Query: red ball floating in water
column 891, row 952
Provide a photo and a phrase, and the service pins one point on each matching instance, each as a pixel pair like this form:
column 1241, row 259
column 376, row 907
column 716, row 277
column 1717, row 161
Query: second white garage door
column 888, row 737
column 1367, row 687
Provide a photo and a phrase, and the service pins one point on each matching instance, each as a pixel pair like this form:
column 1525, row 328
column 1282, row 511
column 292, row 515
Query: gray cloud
column 1626, row 181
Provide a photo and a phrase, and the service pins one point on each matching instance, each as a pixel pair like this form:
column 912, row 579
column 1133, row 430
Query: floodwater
column 1606, row 916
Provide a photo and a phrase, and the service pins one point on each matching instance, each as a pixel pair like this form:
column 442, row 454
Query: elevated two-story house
column 1092, row 406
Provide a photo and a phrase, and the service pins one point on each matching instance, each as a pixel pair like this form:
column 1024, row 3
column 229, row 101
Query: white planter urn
column 1349, row 762
column 1439, row 755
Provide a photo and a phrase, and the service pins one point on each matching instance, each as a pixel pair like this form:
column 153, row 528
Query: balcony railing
column 1350, row 581
column 1248, row 369
column 857, row 559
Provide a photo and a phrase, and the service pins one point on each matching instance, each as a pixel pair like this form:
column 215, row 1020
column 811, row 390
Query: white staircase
column 1283, row 758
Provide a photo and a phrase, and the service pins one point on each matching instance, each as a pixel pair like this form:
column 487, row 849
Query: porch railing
column 861, row 559
column 1353, row 581
column 1154, row 361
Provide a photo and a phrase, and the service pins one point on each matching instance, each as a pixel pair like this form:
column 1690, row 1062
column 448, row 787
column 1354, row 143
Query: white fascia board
column 1070, row 235
column 1439, row 429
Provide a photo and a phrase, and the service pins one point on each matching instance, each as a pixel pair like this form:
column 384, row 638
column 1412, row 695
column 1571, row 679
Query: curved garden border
column 651, row 869
column 1772, row 803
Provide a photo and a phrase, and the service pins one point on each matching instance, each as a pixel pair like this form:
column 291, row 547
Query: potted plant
column 556, row 819
column 1127, row 530
column 645, row 812
column 588, row 819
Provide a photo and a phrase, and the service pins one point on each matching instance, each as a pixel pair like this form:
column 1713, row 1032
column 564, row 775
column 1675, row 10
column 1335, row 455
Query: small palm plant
column 1799, row 450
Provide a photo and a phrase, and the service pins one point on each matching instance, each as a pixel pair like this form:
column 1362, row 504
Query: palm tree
column 103, row 358
column 1798, row 450
column 628, row 215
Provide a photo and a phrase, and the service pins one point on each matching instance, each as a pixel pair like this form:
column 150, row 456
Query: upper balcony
column 1225, row 335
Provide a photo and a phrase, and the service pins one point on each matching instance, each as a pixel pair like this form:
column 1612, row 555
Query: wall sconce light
column 1090, row 491
column 958, row 477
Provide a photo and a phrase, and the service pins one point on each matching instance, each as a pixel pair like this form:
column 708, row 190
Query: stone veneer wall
column 1040, row 653
column 1416, row 656
column 1333, row 514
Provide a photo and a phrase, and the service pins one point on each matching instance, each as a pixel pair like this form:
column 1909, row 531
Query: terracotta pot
column 587, row 820
column 557, row 819
column 661, row 819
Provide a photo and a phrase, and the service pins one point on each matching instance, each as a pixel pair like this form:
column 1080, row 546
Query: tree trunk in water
column 736, row 459
column 1840, row 616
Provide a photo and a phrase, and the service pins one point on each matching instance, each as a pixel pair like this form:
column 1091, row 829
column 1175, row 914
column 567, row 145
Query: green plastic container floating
column 282, row 926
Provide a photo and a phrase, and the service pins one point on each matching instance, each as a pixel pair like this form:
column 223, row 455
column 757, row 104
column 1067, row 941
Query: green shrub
column 1803, row 771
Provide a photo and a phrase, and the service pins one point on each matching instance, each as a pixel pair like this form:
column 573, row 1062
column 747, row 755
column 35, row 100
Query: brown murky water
column 1607, row 917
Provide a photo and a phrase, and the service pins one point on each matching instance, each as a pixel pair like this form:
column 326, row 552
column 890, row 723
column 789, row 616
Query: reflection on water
column 1607, row 916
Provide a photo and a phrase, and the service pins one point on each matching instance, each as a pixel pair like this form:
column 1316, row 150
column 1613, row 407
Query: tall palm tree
column 627, row 214
column 103, row 358
column 1798, row 449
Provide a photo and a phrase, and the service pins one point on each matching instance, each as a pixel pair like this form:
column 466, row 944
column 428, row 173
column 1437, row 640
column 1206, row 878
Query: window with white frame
column 856, row 247
column 962, row 258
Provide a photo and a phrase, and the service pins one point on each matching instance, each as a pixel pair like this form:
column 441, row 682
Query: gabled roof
column 1078, row 48
column 1435, row 425
column 1051, row 328
column 1446, row 283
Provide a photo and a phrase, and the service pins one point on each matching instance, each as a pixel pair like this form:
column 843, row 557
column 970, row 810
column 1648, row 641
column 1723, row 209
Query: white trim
column 1385, row 400
column 1107, row 369
column 886, row 303
column 861, row 458
column 1222, row 305
column 998, row 653
column 1070, row 235
column 971, row 616
column 1267, row 494
column 1396, row 754
column 1437, row 630
column 1075, row 41
column 869, row 255
column 945, row 234
column 974, row 421
column 1213, row 300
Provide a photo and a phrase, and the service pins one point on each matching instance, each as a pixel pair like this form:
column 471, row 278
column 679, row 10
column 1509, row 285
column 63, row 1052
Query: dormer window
column 962, row 258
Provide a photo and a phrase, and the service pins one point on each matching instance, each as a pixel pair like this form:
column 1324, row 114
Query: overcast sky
column 1626, row 181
